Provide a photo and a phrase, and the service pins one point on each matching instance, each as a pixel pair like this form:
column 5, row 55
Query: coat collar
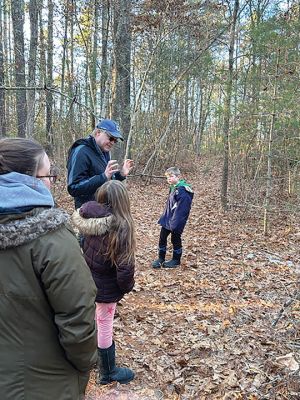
column 92, row 226
column 17, row 230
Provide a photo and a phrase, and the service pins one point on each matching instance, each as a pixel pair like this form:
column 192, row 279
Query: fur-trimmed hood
column 92, row 226
column 16, row 232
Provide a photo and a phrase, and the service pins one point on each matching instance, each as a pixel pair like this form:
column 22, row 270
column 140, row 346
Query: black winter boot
column 158, row 263
column 175, row 261
column 161, row 258
column 108, row 372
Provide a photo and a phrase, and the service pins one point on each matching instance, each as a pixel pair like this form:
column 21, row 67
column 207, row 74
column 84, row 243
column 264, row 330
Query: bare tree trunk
column 63, row 62
column 90, row 55
column 42, row 52
column 70, row 65
column 2, row 81
column 7, row 54
column 205, row 100
column 104, row 62
column 17, row 10
column 49, row 96
column 93, row 67
column 227, row 110
column 122, row 56
column 33, row 12
column 270, row 150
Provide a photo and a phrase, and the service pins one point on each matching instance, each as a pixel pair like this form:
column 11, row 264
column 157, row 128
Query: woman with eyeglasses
column 47, row 329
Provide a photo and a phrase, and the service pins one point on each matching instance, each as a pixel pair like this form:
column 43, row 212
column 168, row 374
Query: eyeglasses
column 112, row 139
column 52, row 177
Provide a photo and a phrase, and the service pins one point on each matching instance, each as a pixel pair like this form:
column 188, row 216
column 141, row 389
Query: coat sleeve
column 71, row 292
column 119, row 177
column 79, row 180
column 182, row 211
column 125, row 277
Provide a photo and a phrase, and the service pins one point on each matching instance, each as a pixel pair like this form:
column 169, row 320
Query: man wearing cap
column 89, row 164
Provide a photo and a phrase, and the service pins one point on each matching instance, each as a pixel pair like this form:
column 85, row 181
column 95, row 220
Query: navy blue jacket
column 177, row 208
column 86, row 165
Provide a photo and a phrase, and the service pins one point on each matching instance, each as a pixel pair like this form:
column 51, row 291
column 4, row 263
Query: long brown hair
column 20, row 155
column 122, row 239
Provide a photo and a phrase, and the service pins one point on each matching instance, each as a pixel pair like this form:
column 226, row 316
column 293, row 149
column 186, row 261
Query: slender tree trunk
column 7, row 53
column 17, row 10
column 104, row 62
column 63, row 62
column 2, row 81
column 199, row 130
column 70, row 65
column 33, row 13
column 90, row 65
column 186, row 121
column 42, row 52
column 270, row 150
column 93, row 67
column 227, row 110
column 49, row 96
column 122, row 57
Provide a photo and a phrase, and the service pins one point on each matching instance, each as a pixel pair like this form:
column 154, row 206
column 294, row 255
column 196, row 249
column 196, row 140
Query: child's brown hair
column 122, row 239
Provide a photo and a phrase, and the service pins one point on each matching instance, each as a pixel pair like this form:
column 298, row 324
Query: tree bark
column 70, row 65
column 2, row 81
column 93, row 67
column 122, row 56
column 63, row 61
column 42, row 52
column 49, row 96
column 33, row 13
column 104, row 62
column 270, row 150
column 17, row 10
column 227, row 109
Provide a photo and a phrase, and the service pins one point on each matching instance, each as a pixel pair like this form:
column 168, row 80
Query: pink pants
column 104, row 318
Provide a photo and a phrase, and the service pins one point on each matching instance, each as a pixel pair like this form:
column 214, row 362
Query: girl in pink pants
column 109, row 250
column 104, row 318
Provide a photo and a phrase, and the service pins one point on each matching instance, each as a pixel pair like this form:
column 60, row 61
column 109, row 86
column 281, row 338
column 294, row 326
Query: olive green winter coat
column 47, row 331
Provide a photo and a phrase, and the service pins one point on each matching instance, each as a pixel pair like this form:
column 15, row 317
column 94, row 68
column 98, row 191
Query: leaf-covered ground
column 225, row 324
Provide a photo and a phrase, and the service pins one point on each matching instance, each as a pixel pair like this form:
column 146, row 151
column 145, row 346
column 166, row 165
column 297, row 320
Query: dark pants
column 175, row 239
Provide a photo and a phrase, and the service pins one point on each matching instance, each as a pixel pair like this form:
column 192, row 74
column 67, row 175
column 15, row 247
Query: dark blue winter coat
column 177, row 208
column 86, row 165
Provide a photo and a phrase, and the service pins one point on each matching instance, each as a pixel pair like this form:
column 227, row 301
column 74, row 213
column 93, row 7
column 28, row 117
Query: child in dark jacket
column 109, row 250
column 174, row 218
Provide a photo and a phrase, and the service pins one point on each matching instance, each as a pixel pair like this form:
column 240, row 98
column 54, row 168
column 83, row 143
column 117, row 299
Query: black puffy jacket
column 93, row 220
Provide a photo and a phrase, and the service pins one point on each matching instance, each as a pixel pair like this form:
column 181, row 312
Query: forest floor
column 225, row 324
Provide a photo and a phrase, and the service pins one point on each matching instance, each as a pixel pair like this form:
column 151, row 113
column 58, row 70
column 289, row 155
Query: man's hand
column 112, row 168
column 127, row 167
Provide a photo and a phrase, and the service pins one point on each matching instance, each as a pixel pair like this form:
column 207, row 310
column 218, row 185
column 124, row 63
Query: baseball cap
column 111, row 127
